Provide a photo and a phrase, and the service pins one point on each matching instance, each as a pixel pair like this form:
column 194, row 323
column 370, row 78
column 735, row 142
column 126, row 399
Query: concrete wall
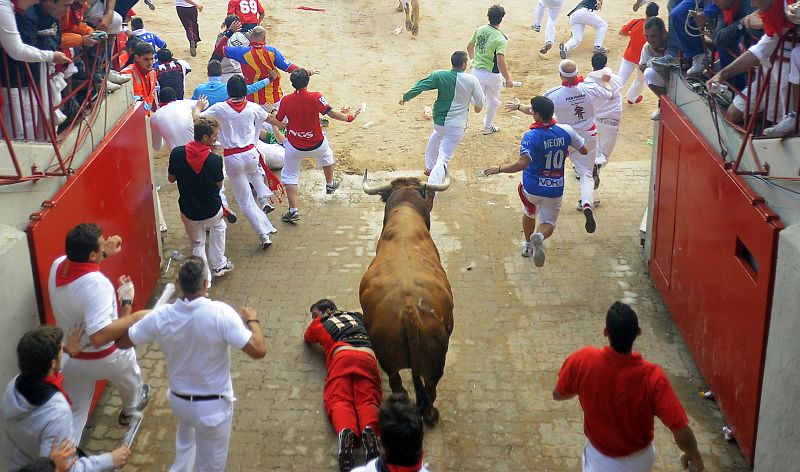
column 778, row 431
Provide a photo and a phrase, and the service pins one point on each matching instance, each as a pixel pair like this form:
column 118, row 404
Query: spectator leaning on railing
column 13, row 44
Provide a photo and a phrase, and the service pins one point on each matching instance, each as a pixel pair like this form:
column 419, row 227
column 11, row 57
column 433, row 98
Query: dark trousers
column 248, row 26
column 188, row 16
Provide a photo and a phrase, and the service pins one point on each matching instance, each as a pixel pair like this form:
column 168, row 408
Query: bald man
column 575, row 103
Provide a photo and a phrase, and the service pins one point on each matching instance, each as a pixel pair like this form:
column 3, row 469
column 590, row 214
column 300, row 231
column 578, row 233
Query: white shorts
column 642, row 460
column 651, row 77
column 290, row 174
column 547, row 208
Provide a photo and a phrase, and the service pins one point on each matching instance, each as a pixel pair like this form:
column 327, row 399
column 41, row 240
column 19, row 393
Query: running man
column 487, row 49
column 542, row 153
column 580, row 17
column 553, row 8
column 609, row 112
column 456, row 90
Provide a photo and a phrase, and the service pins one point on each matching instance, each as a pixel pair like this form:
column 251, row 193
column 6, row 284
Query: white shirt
column 648, row 54
column 173, row 124
column 195, row 337
column 90, row 299
column 608, row 109
column 11, row 41
column 237, row 130
column 372, row 466
column 184, row 3
column 576, row 105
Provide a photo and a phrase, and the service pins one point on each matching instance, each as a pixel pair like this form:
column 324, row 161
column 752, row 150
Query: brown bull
column 411, row 9
column 405, row 294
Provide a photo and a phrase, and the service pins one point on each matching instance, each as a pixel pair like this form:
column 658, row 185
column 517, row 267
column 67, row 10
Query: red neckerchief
column 578, row 80
column 404, row 468
column 55, row 380
column 69, row 271
column 729, row 13
column 774, row 18
column 196, row 155
column 238, row 106
column 536, row 124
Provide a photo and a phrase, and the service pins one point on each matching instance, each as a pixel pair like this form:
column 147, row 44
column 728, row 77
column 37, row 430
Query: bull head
column 383, row 189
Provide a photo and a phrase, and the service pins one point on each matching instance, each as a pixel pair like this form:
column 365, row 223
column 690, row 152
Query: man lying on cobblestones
column 80, row 293
column 352, row 392
column 542, row 153
column 196, row 334
column 620, row 393
column 401, row 427
column 37, row 417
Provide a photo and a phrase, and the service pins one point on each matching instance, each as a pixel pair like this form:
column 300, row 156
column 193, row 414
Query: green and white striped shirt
column 457, row 90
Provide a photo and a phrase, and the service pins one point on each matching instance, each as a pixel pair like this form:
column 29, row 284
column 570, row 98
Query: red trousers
column 188, row 17
column 353, row 392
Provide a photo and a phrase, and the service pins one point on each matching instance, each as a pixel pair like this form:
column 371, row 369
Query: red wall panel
column 113, row 188
column 713, row 260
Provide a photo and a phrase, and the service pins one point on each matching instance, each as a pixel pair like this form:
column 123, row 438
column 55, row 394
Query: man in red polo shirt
column 250, row 13
column 304, row 137
column 620, row 394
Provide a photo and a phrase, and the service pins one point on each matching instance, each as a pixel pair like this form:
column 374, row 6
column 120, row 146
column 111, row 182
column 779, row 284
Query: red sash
column 93, row 356
column 525, row 202
column 232, row 151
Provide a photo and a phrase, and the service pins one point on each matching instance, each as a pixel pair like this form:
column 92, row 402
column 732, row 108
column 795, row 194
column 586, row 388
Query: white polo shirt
column 577, row 105
column 195, row 337
column 172, row 124
column 237, row 129
column 91, row 299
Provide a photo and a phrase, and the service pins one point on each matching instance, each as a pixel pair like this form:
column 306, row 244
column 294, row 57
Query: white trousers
column 196, row 230
column 491, row 84
column 584, row 165
column 204, row 431
column 25, row 114
column 441, row 147
column 274, row 154
column 651, row 77
column 579, row 20
column 80, row 376
column 95, row 14
column 242, row 170
column 626, row 68
column 640, row 461
column 553, row 9
column 607, row 132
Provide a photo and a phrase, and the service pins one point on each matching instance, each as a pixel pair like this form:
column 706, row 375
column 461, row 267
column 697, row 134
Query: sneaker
column 291, row 216
column 698, row 65
column 591, row 225
column 193, row 48
column 331, row 187
column 491, row 129
column 538, row 249
column 267, row 208
column 527, row 249
column 596, row 175
column 116, row 78
column 656, row 115
column 111, row 87
column 638, row 100
column 150, row 5
column 545, row 48
column 667, row 60
column 638, row 4
column 562, row 51
column 265, row 241
column 783, row 128
column 125, row 419
column 596, row 204
column 347, row 440
column 60, row 117
column 600, row 50
column 536, row 27
column 222, row 270
column 370, row 440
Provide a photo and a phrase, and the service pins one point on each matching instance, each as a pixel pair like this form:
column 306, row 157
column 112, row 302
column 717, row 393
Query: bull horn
column 439, row 187
column 373, row 190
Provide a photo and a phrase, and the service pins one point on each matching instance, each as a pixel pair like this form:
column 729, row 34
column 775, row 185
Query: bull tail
column 411, row 326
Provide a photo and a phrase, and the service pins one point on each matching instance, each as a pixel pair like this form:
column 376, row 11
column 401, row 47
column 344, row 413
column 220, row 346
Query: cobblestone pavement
column 514, row 325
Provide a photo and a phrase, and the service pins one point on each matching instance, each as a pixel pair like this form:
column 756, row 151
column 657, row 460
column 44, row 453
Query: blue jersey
column 547, row 147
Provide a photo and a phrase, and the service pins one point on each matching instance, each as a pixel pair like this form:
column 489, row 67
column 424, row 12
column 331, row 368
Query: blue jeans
column 678, row 39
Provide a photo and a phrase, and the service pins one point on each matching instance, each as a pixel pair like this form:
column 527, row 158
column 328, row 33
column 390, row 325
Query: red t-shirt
column 247, row 10
column 620, row 395
column 303, row 108
column 635, row 30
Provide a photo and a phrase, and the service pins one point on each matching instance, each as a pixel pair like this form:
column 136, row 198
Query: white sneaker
column 265, row 241
column 785, row 127
column 698, row 65
column 579, row 207
column 536, row 27
column 60, row 117
column 656, row 115
column 527, row 249
column 222, row 270
column 491, row 129
column 538, row 249
column 111, row 87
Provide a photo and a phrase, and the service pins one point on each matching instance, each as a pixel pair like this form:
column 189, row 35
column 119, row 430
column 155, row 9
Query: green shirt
column 457, row 90
column 489, row 42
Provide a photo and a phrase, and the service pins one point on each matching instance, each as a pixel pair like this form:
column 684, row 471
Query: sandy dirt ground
column 514, row 324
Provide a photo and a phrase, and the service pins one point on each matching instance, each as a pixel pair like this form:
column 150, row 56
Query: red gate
column 713, row 260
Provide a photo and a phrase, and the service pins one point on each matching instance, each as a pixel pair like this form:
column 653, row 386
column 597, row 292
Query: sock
column 292, row 210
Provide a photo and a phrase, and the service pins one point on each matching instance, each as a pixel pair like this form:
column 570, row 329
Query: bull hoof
column 431, row 417
column 408, row 25
column 414, row 29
